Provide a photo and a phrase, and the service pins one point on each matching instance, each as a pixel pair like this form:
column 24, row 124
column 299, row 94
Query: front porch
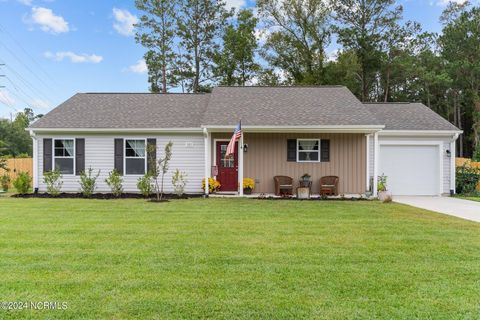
column 263, row 155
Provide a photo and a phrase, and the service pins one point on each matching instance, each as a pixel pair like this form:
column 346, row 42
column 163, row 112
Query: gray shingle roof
column 408, row 116
column 127, row 110
column 255, row 106
column 286, row 106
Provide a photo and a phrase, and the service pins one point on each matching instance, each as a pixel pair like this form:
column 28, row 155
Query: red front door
column 227, row 167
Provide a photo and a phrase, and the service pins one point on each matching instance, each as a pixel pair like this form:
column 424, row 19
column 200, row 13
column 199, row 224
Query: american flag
column 237, row 134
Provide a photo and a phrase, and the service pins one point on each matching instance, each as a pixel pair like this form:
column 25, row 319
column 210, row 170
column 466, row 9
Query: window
column 135, row 156
column 64, row 155
column 308, row 150
column 226, row 162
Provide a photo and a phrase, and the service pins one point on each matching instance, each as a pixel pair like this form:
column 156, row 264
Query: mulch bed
column 103, row 196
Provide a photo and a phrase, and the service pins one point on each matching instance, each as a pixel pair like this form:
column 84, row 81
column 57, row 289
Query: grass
column 237, row 259
column 472, row 198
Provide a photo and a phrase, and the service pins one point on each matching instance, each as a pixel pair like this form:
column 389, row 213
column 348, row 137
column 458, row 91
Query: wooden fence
column 18, row 165
column 469, row 163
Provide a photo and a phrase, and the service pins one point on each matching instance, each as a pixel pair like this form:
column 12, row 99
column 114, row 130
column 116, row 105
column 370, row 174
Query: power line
column 26, row 67
column 4, row 30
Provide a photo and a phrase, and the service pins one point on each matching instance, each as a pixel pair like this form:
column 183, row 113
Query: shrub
column 382, row 183
column 145, row 185
column 88, row 182
column 114, row 181
column 467, row 179
column 5, row 182
column 179, row 182
column 248, row 183
column 213, row 185
column 23, row 182
column 53, row 181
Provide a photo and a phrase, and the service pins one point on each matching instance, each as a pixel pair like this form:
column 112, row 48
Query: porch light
column 245, row 147
column 449, row 153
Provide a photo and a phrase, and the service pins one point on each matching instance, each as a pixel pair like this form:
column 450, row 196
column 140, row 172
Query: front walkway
column 465, row 209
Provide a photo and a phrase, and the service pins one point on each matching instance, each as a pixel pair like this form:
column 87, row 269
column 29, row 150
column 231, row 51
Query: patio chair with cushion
column 329, row 186
column 283, row 185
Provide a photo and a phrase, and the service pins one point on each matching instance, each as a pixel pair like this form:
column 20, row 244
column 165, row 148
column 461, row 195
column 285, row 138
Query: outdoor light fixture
column 449, row 153
column 245, row 147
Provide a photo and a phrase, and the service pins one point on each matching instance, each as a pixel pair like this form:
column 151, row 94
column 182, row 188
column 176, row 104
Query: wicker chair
column 283, row 185
column 329, row 186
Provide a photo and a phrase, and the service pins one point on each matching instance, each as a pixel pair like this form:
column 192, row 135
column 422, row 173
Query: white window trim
column 319, row 151
column 125, row 157
column 74, row 157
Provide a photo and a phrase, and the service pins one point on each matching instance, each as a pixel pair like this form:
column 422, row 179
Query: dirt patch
column 104, row 196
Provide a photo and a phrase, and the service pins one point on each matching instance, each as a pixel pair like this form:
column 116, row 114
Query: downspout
column 453, row 155
column 35, row 160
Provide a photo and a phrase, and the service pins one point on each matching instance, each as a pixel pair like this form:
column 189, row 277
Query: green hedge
column 467, row 180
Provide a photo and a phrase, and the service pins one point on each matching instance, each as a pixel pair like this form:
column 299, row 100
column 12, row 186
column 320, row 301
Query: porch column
column 240, row 166
column 206, row 137
column 375, row 163
column 367, row 169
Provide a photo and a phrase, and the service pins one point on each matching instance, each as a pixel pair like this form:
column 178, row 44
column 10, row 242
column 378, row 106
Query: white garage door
column 411, row 170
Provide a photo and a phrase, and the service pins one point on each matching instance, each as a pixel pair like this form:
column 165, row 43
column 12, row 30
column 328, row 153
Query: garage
column 411, row 169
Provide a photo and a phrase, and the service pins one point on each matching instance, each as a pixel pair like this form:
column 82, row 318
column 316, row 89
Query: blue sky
column 54, row 48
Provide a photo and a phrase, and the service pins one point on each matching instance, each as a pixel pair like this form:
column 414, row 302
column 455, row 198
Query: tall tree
column 363, row 25
column 199, row 24
column 460, row 45
column 300, row 33
column 235, row 62
column 156, row 32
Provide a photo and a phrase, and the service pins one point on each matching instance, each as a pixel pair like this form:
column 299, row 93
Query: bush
column 88, row 182
column 23, row 182
column 5, row 182
column 467, row 179
column 115, row 181
column 145, row 185
column 179, row 182
column 382, row 183
column 213, row 185
column 53, row 181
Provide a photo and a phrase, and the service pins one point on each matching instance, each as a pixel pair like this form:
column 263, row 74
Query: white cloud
column 237, row 4
column 124, row 22
column 139, row 67
column 25, row 2
column 74, row 57
column 48, row 21
column 6, row 98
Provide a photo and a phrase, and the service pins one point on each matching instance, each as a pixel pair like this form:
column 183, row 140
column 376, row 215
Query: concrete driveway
column 464, row 209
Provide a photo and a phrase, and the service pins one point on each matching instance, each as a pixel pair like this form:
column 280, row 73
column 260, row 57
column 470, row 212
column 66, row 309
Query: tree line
column 196, row 44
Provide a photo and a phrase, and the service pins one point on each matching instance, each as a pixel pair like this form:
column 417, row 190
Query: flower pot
column 385, row 196
column 247, row 191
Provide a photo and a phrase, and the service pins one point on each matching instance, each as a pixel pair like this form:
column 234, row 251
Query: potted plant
column 213, row 185
column 248, row 185
column 383, row 194
column 305, row 180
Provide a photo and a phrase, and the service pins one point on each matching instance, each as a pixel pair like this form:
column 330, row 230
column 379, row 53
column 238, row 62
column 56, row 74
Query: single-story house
column 320, row 130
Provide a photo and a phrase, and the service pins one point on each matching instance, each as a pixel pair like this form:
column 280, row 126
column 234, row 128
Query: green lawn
column 237, row 259
column 470, row 198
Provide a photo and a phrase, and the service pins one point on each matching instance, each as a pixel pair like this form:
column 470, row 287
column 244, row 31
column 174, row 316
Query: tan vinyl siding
column 267, row 157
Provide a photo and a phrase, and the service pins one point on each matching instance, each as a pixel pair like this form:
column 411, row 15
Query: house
column 321, row 130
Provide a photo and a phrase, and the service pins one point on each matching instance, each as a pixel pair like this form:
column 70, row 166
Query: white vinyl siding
column 187, row 155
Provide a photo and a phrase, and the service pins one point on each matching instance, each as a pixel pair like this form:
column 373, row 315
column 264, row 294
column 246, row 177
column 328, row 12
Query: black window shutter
column 325, row 151
column 118, row 156
column 292, row 150
column 47, row 155
column 151, row 154
column 79, row 156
